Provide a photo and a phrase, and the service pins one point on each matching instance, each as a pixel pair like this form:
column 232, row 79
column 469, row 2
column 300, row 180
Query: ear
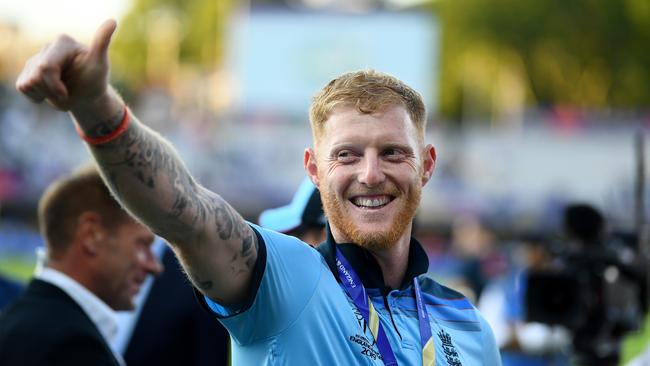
column 89, row 232
column 311, row 167
column 428, row 163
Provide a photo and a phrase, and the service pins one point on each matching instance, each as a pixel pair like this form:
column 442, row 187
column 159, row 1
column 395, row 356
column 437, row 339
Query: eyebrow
column 382, row 145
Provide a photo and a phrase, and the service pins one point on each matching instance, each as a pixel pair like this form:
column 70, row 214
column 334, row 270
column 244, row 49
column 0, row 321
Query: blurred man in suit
column 168, row 327
column 97, row 258
column 9, row 290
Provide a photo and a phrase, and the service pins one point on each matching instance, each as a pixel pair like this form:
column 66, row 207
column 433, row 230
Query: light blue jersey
column 302, row 316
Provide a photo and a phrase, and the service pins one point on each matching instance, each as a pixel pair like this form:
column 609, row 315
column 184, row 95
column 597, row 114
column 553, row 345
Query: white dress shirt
column 101, row 314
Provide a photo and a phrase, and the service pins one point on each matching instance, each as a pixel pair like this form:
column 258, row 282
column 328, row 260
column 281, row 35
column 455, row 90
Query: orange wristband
column 124, row 124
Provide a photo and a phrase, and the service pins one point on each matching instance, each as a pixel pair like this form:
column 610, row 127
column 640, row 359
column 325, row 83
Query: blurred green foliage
column 636, row 343
column 586, row 53
column 19, row 268
column 189, row 31
column 498, row 56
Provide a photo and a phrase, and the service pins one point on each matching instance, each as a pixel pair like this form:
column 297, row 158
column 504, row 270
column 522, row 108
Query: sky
column 45, row 19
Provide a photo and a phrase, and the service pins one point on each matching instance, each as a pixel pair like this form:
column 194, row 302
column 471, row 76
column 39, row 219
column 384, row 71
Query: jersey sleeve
column 290, row 273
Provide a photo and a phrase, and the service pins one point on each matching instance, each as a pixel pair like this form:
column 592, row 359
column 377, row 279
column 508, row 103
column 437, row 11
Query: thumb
column 101, row 41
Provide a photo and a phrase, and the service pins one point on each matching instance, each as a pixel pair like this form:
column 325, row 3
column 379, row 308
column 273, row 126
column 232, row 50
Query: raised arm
column 216, row 246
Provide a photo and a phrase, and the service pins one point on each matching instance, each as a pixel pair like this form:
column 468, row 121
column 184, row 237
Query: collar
column 99, row 313
column 367, row 267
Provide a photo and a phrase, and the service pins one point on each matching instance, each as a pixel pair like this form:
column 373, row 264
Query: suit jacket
column 45, row 326
column 172, row 328
column 9, row 290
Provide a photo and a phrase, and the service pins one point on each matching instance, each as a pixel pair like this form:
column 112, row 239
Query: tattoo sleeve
column 104, row 128
column 144, row 172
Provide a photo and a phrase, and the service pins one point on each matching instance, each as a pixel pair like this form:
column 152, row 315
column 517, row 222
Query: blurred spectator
column 603, row 319
column 590, row 283
column 303, row 217
column 168, row 327
column 98, row 257
column 502, row 303
column 475, row 250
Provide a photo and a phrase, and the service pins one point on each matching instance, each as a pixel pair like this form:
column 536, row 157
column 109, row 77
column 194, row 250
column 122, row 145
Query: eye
column 393, row 154
column 346, row 156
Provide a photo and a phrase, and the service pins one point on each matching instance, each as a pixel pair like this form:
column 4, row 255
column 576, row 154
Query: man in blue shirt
column 361, row 303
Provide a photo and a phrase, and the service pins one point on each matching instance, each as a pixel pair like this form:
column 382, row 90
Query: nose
column 153, row 265
column 371, row 174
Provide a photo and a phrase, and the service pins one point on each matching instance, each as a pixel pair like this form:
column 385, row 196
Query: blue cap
column 305, row 209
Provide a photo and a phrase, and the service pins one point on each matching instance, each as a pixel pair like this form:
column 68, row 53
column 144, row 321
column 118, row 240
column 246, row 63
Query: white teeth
column 370, row 202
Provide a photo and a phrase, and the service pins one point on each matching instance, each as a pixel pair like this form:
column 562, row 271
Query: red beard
column 378, row 240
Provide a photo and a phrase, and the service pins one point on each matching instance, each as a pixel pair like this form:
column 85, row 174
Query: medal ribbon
column 357, row 292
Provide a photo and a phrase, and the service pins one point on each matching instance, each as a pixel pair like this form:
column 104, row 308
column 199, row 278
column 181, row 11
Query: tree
column 585, row 53
column 159, row 37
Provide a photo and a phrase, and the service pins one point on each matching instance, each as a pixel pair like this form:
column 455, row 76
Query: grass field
column 636, row 343
column 18, row 268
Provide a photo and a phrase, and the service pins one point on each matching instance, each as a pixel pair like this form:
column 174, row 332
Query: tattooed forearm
column 106, row 127
column 153, row 163
column 217, row 247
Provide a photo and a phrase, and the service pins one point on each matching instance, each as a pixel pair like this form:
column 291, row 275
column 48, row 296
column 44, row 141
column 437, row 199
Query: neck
column 76, row 272
column 393, row 262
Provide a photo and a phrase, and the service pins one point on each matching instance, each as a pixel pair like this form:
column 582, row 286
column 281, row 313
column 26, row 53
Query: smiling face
column 125, row 260
column 370, row 169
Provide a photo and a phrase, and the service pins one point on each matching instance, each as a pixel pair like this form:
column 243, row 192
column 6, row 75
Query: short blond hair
column 368, row 91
